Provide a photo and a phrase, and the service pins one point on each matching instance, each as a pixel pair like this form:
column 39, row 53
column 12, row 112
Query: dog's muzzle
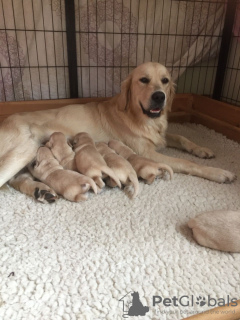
column 157, row 103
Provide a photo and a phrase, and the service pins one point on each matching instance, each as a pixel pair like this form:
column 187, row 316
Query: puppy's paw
column 201, row 152
column 45, row 196
column 130, row 191
column 165, row 172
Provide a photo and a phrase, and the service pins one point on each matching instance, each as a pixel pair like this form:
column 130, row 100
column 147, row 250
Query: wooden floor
column 220, row 116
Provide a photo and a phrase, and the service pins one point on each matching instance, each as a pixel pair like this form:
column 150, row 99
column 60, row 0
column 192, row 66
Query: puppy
column 62, row 150
column 121, row 167
column 217, row 230
column 145, row 168
column 71, row 185
column 90, row 162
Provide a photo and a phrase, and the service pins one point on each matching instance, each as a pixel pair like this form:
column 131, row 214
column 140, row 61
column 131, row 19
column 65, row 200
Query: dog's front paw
column 45, row 196
column 221, row 176
column 202, row 152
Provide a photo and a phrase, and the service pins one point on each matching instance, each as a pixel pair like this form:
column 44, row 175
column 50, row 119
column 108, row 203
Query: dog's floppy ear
column 125, row 93
column 171, row 95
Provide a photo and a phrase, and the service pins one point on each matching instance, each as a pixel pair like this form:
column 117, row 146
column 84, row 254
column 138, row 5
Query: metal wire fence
column 53, row 49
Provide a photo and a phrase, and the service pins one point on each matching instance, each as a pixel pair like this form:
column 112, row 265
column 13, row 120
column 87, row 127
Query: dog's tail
column 108, row 171
column 132, row 188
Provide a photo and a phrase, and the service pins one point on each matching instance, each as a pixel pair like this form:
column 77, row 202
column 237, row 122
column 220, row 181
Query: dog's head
column 148, row 90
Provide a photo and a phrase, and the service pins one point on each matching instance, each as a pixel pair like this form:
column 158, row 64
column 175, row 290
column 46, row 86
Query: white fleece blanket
column 76, row 261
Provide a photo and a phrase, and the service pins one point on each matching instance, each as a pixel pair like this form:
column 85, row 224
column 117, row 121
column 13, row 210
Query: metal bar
column 71, row 47
column 224, row 49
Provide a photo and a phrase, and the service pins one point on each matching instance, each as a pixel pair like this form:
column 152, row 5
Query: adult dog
column 137, row 116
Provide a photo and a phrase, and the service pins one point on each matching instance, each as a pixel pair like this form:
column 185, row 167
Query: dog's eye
column 144, row 80
column 165, row 80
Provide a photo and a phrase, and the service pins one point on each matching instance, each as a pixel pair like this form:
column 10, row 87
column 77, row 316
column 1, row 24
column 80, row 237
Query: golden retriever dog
column 122, row 168
column 218, row 230
column 71, row 185
column 145, row 168
column 90, row 162
column 137, row 116
column 62, row 150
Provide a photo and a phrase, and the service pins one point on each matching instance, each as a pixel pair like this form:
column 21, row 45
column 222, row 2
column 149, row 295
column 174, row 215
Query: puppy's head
column 148, row 90
column 56, row 138
column 82, row 138
column 103, row 148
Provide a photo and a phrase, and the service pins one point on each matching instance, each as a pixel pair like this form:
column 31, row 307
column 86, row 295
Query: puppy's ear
column 48, row 144
column 69, row 143
column 125, row 93
column 34, row 164
column 171, row 95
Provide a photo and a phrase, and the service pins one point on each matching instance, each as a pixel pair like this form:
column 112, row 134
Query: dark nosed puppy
column 145, row 168
column 71, row 185
column 122, row 168
column 90, row 162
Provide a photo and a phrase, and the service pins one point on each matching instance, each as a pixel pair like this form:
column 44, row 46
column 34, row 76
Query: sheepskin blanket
column 107, row 256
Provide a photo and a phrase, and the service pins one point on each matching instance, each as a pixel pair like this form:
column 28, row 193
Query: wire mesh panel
column 33, row 50
column 112, row 37
column 231, row 86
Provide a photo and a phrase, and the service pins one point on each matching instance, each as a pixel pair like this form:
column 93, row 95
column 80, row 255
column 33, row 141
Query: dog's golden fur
column 123, row 118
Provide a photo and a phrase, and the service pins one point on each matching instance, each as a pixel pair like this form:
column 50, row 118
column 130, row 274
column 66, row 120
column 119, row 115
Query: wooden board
column 217, row 109
column 225, row 128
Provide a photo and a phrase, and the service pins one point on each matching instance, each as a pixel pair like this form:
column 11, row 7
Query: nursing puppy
column 218, row 230
column 71, row 185
column 90, row 162
column 62, row 150
column 26, row 184
column 145, row 168
column 121, row 167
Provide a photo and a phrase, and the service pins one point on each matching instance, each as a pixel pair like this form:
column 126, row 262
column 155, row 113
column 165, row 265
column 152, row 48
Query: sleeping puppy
column 24, row 182
column 90, row 162
column 71, row 185
column 145, row 168
column 217, row 230
column 121, row 167
column 62, row 150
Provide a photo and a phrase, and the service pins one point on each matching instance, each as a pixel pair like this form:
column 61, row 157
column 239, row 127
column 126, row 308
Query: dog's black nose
column 158, row 97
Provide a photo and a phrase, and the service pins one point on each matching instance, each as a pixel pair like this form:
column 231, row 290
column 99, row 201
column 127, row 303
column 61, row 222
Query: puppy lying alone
column 62, row 150
column 90, row 162
column 217, row 230
column 121, row 167
column 71, row 185
column 145, row 168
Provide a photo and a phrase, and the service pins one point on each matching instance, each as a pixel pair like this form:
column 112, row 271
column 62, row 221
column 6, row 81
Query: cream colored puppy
column 217, row 230
column 62, row 150
column 121, row 167
column 90, row 162
column 145, row 168
column 71, row 185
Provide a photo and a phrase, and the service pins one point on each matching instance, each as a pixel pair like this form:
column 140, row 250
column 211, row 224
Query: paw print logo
column 201, row 301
